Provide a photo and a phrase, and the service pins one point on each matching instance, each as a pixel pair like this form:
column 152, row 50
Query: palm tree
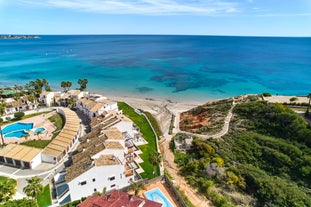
column 70, row 102
column 63, row 84
column 46, row 85
column 26, row 136
column 38, row 134
column 83, row 83
column 34, row 187
column 136, row 187
column 66, row 85
column 2, row 106
column 69, row 84
column 155, row 159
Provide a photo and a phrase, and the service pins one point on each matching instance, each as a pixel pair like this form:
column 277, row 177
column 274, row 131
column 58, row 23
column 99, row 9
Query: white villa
column 12, row 106
column 94, row 107
column 49, row 98
column 106, row 158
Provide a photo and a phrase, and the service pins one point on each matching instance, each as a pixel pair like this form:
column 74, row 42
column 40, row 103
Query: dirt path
column 168, row 160
column 217, row 135
column 162, row 111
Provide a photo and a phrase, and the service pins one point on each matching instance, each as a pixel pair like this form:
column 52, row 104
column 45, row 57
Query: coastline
column 161, row 109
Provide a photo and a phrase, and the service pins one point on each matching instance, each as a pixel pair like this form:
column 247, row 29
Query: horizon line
column 211, row 35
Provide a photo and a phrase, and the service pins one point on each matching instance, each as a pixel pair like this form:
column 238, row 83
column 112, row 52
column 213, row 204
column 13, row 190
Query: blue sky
column 194, row 17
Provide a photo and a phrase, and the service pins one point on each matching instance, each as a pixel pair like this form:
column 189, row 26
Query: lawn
column 59, row 122
column 44, row 199
column 147, row 134
column 41, row 144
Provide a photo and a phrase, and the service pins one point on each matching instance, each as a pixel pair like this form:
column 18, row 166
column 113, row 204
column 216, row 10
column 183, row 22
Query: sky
column 181, row 17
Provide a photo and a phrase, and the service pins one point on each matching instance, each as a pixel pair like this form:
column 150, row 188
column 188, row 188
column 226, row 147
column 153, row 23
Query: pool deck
column 38, row 121
column 163, row 187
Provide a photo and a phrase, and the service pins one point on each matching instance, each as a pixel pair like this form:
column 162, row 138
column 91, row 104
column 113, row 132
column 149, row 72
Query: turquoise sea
column 155, row 66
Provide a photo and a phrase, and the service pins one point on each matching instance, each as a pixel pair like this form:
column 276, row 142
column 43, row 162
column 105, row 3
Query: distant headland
column 19, row 36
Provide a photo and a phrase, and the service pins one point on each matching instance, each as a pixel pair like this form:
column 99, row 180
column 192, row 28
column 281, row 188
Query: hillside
column 205, row 119
column 264, row 160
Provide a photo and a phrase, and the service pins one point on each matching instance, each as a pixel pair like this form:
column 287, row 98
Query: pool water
column 16, row 130
column 18, row 134
column 17, row 127
column 38, row 130
column 156, row 195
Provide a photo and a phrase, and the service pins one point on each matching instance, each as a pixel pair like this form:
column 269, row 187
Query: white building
column 12, row 106
column 105, row 159
column 50, row 98
column 20, row 156
column 93, row 108
column 47, row 98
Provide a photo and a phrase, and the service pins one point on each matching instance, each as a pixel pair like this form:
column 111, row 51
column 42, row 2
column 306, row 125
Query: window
column 94, row 180
column 111, row 178
column 83, row 182
column 112, row 186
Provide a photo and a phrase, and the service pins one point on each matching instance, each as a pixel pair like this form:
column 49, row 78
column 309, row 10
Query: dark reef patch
column 144, row 89
column 182, row 81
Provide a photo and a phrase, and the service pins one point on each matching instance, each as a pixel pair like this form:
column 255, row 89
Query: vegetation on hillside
column 205, row 119
column 154, row 124
column 264, row 160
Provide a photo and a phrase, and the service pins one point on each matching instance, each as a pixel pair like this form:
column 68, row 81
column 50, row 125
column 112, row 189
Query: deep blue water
column 170, row 67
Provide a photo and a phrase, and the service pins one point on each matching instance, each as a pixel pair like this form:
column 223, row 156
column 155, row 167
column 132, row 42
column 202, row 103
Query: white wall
column 36, row 161
column 48, row 158
column 125, row 126
column 101, row 175
column 119, row 153
column 49, row 99
column 111, row 106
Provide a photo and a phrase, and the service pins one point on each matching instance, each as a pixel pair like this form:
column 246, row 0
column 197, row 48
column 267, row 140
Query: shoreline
column 162, row 109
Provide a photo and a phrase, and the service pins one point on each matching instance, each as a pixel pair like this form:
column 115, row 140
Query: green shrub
column 266, row 94
column 19, row 115
column 293, row 99
column 20, row 203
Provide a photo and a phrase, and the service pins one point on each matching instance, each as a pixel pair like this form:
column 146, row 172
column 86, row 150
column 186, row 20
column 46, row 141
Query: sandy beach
column 160, row 108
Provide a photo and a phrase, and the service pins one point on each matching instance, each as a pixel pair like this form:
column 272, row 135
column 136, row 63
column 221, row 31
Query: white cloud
column 145, row 7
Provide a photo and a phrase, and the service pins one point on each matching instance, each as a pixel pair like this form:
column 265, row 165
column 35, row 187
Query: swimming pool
column 16, row 130
column 17, row 134
column 156, row 195
column 38, row 130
